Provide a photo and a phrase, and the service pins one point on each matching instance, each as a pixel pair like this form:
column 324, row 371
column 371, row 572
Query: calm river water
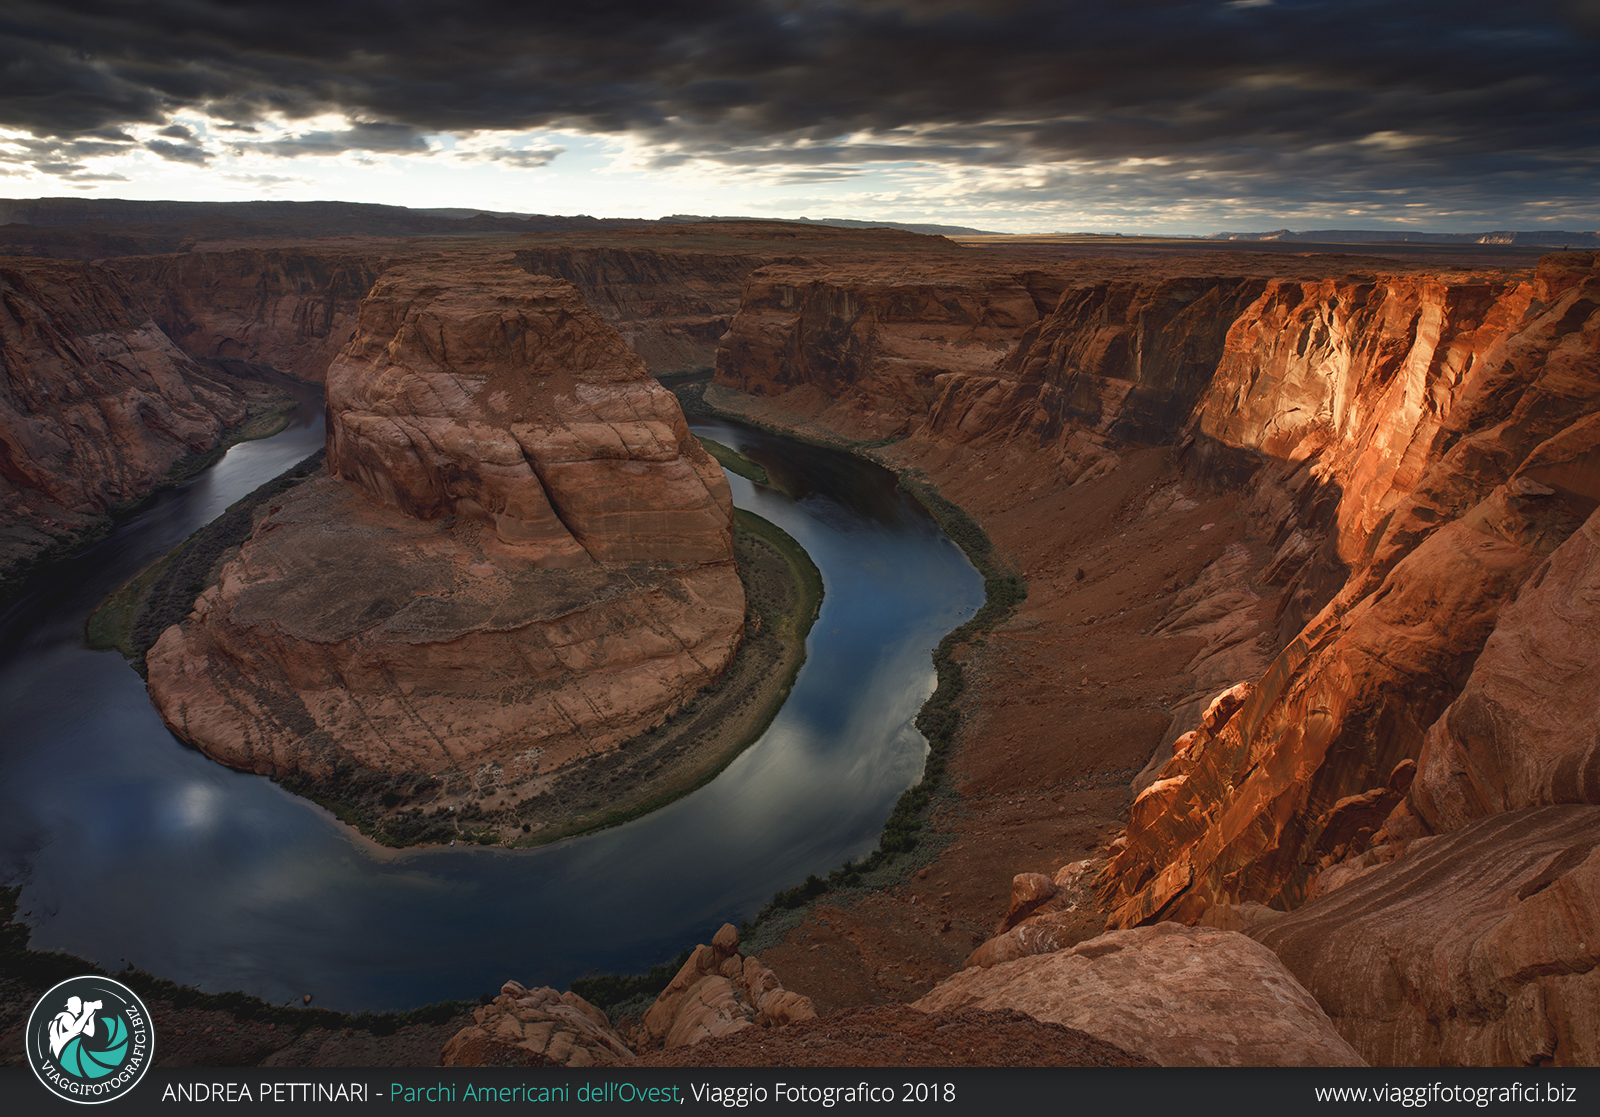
column 132, row 847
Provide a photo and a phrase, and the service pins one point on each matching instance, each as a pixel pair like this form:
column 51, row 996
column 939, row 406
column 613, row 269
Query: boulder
column 1180, row 996
column 536, row 1027
column 719, row 991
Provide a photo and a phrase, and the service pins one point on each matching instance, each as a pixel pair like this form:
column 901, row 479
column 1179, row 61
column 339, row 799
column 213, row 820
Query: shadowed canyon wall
column 97, row 403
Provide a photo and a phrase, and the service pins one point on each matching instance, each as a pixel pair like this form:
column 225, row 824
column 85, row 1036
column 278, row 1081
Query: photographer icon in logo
column 90, row 1039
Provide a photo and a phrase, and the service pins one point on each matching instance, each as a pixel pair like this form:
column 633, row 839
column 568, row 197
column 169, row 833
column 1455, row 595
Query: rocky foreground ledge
column 521, row 556
column 1166, row 995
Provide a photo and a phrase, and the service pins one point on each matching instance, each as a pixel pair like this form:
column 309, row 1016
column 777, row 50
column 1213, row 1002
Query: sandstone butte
column 520, row 556
column 1308, row 544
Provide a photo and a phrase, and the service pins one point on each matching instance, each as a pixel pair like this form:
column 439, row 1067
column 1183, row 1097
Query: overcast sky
column 1000, row 114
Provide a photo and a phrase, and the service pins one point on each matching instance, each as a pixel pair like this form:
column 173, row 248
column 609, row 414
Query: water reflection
column 132, row 846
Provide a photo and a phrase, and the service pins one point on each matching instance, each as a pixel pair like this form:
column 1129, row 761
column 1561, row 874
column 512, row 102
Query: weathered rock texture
column 1478, row 947
column 1413, row 427
column 870, row 341
column 529, row 559
column 671, row 306
column 290, row 308
column 1525, row 731
column 536, row 1027
column 1405, row 639
column 1180, row 996
column 718, row 992
column 502, row 396
column 96, row 405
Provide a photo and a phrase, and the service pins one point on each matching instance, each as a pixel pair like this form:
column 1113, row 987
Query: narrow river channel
column 132, row 847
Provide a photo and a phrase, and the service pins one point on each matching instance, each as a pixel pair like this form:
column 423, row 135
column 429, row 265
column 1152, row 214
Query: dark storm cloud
column 1369, row 93
column 396, row 139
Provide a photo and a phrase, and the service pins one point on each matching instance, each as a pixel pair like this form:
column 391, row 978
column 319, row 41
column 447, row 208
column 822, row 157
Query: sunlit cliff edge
column 1383, row 768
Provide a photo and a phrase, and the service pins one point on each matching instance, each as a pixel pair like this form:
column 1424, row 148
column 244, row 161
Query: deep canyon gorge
column 1303, row 690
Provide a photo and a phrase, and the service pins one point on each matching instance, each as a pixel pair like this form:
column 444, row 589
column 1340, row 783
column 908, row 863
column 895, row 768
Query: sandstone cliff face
column 872, row 339
column 1119, row 360
column 290, row 308
column 1419, row 454
column 1525, row 730
column 671, row 307
column 1436, row 449
column 96, row 405
column 502, row 396
column 522, row 557
column 1479, row 947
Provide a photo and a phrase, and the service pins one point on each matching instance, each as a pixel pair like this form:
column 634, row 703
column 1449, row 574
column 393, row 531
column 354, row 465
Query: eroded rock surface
column 499, row 395
column 868, row 343
column 536, row 1027
column 1180, row 996
column 718, row 992
column 1525, row 730
column 291, row 308
column 528, row 558
column 96, row 404
column 1478, row 947
column 1461, row 450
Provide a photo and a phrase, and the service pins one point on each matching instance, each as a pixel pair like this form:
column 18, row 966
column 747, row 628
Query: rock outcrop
column 1179, row 996
column 866, row 344
column 670, row 305
column 536, row 1027
column 1525, row 730
column 718, row 992
column 501, row 396
column 293, row 309
column 1478, row 947
column 522, row 558
column 1427, row 468
column 97, row 403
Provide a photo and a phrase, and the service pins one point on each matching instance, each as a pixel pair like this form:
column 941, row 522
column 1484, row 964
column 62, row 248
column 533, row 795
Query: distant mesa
column 1541, row 238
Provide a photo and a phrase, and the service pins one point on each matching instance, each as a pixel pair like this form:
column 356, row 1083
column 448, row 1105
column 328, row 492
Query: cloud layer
column 1484, row 106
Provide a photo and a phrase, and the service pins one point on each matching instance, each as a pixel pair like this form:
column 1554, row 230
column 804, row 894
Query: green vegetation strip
column 734, row 462
column 258, row 424
column 939, row 719
column 133, row 618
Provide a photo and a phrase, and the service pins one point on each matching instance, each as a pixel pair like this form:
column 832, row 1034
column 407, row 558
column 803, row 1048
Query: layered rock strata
column 1410, row 633
column 521, row 557
column 96, row 405
column 1432, row 460
column 1478, row 947
column 866, row 345
column 293, row 309
column 671, row 306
